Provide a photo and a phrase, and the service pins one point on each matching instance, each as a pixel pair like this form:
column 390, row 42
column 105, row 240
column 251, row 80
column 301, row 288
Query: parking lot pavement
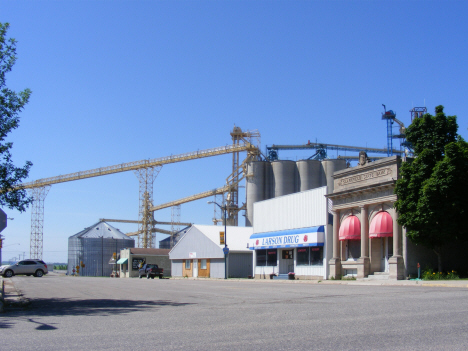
column 14, row 298
column 79, row 313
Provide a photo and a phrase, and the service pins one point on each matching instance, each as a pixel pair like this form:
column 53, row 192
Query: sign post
column 3, row 225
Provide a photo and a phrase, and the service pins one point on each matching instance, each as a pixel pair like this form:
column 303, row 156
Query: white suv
column 27, row 267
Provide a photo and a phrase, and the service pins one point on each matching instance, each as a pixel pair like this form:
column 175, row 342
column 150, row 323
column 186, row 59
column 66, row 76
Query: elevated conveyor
column 131, row 166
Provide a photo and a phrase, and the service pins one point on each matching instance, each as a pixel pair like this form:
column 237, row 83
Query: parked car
column 150, row 271
column 26, row 267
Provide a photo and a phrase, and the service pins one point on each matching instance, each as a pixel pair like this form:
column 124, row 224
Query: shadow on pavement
column 89, row 307
column 5, row 324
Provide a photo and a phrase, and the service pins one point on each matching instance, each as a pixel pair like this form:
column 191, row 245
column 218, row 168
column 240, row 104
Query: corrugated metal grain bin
column 94, row 246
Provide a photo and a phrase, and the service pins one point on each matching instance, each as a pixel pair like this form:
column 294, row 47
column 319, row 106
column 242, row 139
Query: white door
column 195, row 268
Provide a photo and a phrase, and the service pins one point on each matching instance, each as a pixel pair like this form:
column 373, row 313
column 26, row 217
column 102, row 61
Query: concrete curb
column 12, row 297
column 421, row 283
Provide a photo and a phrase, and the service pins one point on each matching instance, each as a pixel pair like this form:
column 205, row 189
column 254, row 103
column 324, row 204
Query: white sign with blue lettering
column 313, row 236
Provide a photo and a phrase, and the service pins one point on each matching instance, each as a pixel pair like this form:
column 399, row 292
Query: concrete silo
column 310, row 175
column 255, row 187
column 284, row 177
column 329, row 167
column 94, row 246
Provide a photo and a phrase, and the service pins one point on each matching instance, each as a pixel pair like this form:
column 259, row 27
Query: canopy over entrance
column 381, row 226
column 350, row 229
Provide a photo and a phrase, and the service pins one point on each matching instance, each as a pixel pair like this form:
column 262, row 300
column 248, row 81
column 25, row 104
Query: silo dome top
column 101, row 229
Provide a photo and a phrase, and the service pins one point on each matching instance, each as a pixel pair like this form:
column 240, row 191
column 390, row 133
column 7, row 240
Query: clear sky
column 121, row 81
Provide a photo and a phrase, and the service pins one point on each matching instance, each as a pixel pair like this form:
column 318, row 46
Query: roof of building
column 101, row 230
column 236, row 237
column 156, row 252
column 203, row 241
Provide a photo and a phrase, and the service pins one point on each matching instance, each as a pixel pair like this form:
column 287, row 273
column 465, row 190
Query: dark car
column 150, row 271
column 26, row 267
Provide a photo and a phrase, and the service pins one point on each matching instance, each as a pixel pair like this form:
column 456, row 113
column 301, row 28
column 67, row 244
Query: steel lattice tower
column 37, row 221
column 218, row 217
column 146, row 177
column 175, row 219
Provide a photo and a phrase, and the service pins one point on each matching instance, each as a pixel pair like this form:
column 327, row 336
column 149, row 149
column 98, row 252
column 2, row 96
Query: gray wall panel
column 240, row 265
column 176, row 267
column 217, row 268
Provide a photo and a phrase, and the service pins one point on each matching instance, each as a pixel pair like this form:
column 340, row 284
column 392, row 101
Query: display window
column 309, row 256
column 272, row 257
column 354, row 250
column 267, row 257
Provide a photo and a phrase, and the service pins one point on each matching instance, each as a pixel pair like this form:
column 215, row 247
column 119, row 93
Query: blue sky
column 121, row 81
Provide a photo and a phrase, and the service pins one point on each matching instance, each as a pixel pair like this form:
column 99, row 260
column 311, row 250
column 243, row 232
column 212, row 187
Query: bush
column 429, row 274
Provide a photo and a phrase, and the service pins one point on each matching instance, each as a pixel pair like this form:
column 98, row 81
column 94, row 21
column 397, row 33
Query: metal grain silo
column 94, row 246
column 309, row 174
column 329, row 167
column 254, row 188
column 284, row 176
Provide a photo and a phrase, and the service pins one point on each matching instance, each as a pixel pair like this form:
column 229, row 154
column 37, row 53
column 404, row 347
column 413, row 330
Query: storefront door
column 195, row 268
column 287, row 261
column 387, row 252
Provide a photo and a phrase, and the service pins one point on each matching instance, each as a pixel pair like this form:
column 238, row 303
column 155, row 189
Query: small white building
column 132, row 259
column 290, row 236
column 199, row 253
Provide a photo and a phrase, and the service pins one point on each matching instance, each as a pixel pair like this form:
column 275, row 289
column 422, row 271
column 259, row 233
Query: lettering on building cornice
column 367, row 197
column 365, row 176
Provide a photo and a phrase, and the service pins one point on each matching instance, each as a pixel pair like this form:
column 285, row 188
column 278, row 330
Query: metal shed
column 199, row 253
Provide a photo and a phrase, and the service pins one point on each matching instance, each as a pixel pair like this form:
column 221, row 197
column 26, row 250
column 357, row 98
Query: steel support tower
column 146, row 177
column 37, row 221
column 218, row 198
column 175, row 220
column 239, row 138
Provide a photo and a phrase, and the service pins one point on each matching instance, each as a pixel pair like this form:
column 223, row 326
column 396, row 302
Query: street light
column 224, row 208
column 115, row 259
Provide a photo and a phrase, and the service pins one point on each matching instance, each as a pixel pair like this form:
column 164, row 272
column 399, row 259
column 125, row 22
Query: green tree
column 11, row 104
column 431, row 191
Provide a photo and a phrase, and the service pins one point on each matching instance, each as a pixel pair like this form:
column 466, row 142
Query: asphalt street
column 67, row 313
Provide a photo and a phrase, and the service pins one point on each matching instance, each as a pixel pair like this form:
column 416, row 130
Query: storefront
column 290, row 235
column 296, row 251
column 367, row 239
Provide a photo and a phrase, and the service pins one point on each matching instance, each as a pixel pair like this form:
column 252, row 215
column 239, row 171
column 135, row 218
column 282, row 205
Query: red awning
column 350, row 229
column 381, row 226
